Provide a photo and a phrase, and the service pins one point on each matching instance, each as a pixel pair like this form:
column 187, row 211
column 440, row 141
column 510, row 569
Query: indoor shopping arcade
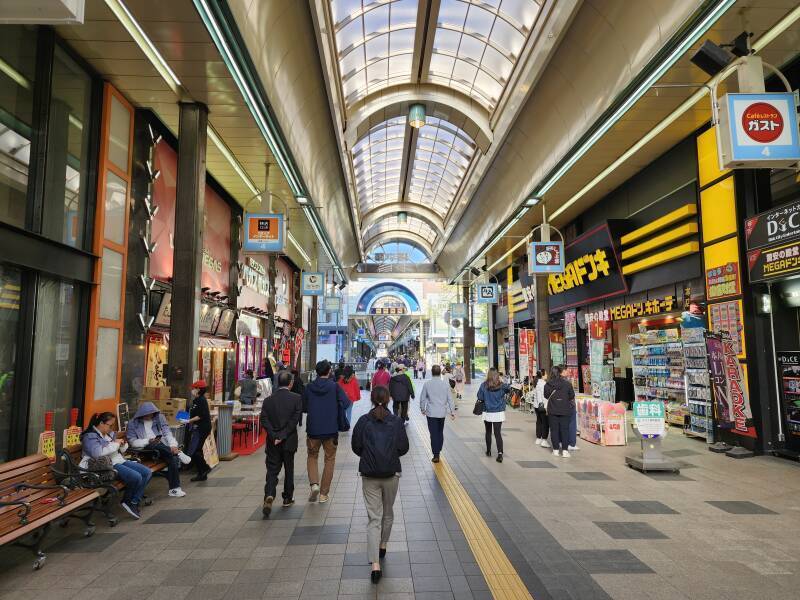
column 399, row 299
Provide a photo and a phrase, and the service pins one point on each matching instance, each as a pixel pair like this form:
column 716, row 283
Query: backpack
column 380, row 457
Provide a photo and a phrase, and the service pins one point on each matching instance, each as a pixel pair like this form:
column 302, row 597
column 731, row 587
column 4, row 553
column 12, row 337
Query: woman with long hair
column 492, row 392
column 560, row 409
column 380, row 439
column 349, row 383
column 459, row 376
column 101, row 444
column 540, row 408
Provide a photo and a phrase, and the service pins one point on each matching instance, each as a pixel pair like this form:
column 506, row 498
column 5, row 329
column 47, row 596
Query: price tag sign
column 649, row 418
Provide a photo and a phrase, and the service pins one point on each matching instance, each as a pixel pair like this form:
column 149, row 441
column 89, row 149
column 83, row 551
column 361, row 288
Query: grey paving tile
column 333, row 538
column 428, row 570
column 425, row 557
column 176, row 515
column 360, row 571
column 589, row 476
column 78, row 543
column 681, row 453
column 221, row 482
column 645, row 507
column 303, row 540
column 667, row 476
column 609, row 561
column 630, row 530
column 739, row 507
column 536, row 464
column 357, row 558
column 320, row 588
column 396, row 571
column 431, row 584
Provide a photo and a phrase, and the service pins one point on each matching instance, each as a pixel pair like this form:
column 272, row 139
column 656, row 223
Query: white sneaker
column 555, row 452
column 184, row 458
column 177, row 493
column 564, row 454
column 539, row 441
column 545, row 444
column 573, row 448
column 312, row 497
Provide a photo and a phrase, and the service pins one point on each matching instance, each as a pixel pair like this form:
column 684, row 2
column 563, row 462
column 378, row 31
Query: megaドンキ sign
column 592, row 272
column 774, row 262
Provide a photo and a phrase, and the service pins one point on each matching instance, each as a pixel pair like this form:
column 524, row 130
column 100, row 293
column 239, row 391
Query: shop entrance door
column 789, row 390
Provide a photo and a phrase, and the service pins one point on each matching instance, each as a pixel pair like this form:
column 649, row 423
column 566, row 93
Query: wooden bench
column 31, row 500
column 71, row 475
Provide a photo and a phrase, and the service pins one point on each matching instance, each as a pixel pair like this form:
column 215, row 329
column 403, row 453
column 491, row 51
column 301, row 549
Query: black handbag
column 103, row 467
column 480, row 406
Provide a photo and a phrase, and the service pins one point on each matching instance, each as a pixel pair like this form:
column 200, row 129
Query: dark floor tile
column 680, row 453
column 176, row 515
column 303, row 540
column 645, row 507
column 396, row 571
column 356, row 571
column 428, row 570
column 609, row 561
column 335, row 529
column 78, row 543
column 536, row 464
column 308, row 530
column 333, row 538
column 630, row 530
column 431, row 584
column 221, row 482
column 736, row 507
column 425, row 557
column 357, row 558
column 279, row 513
column 590, row 476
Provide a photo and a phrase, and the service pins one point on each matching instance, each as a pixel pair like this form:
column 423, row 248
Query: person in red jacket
column 382, row 376
column 349, row 383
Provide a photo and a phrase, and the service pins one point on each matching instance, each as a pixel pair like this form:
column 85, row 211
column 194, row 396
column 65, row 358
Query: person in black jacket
column 200, row 423
column 380, row 439
column 560, row 408
column 279, row 416
column 401, row 390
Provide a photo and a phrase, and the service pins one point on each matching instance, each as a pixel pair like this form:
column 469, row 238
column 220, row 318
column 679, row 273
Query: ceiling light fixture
column 146, row 45
column 214, row 137
column 402, row 217
column 416, row 115
column 297, row 246
column 14, row 75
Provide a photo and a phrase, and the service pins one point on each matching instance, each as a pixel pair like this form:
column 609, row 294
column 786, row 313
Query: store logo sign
column 584, row 269
column 780, row 224
column 254, row 276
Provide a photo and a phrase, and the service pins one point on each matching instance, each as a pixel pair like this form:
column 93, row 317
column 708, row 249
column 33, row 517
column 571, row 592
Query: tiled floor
column 583, row 528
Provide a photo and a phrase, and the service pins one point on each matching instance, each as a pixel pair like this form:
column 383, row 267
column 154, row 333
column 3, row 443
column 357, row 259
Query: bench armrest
column 64, row 490
column 23, row 512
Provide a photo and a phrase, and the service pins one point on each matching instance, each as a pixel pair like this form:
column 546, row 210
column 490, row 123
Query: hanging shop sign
column 773, row 262
column 164, row 314
column 312, row 283
column 781, row 224
column 458, row 310
column 545, row 257
column 723, row 281
column 634, row 310
column 333, row 303
column 757, row 131
column 592, row 272
column 263, row 233
column 488, row 293
column 649, row 418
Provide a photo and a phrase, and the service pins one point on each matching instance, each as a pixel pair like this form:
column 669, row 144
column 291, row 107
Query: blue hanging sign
column 312, row 283
column 488, row 293
column 263, row 233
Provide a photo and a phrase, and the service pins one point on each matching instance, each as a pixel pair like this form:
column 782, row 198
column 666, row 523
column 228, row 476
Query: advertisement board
column 487, row 293
column 263, row 232
column 545, row 257
column 458, row 310
column 649, row 418
column 592, row 272
column 333, row 303
column 773, row 262
column 312, row 283
column 781, row 224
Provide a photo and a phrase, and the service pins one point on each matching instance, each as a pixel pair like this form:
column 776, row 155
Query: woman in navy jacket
column 493, row 392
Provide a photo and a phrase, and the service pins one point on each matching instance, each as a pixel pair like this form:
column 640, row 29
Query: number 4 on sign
column 765, row 151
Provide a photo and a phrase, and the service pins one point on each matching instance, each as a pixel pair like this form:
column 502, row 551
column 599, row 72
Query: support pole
column 469, row 336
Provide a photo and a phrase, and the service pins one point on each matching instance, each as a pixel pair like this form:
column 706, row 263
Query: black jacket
column 280, row 415
column 380, row 444
column 560, row 397
column 200, row 409
column 400, row 388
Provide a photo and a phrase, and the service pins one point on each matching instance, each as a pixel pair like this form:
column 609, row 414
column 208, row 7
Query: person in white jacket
column 540, row 407
column 99, row 440
column 435, row 403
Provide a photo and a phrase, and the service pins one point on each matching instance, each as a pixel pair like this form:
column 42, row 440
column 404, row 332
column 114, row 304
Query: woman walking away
column 458, row 375
column 200, row 423
column 349, row 383
column 436, row 402
column 540, row 407
column 379, row 438
column 492, row 392
column 560, row 408
column 102, row 450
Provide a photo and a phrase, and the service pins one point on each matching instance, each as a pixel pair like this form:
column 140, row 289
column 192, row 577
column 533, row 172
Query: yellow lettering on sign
column 588, row 267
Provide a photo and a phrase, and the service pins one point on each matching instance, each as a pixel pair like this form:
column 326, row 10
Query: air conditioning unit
column 42, row 12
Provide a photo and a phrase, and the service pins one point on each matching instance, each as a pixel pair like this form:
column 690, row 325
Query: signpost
column 649, row 422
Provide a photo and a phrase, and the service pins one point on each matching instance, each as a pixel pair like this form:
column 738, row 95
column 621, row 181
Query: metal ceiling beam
column 421, row 211
column 386, row 236
column 428, row 13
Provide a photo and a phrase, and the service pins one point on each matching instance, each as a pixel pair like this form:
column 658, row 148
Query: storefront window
column 54, row 354
column 67, row 170
column 10, row 289
column 17, row 71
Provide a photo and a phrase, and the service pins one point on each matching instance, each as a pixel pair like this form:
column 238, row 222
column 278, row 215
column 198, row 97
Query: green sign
column 649, row 417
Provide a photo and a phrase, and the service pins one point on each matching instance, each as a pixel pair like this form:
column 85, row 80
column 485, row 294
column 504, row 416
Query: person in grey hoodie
column 148, row 430
column 436, row 402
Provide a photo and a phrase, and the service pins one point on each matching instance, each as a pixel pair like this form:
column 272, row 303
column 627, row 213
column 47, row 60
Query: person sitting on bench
column 100, row 444
column 148, row 430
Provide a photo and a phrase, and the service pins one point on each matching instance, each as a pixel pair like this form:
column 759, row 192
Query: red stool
column 240, row 431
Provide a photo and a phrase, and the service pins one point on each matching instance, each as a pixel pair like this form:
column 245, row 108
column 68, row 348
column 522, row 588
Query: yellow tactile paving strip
column 500, row 575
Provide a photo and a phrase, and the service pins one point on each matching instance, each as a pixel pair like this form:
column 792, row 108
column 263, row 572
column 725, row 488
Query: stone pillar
column 542, row 324
column 188, row 247
column 469, row 336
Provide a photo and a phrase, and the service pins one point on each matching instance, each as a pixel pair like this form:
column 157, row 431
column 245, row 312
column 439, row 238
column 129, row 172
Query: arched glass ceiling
column 442, row 155
column 477, row 44
column 375, row 44
column 412, row 224
column 397, row 252
column 377, row 159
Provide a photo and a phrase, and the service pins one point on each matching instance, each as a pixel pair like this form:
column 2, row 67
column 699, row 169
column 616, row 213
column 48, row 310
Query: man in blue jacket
column 325, row 403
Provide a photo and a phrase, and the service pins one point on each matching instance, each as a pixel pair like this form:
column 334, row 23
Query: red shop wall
column 217, row 227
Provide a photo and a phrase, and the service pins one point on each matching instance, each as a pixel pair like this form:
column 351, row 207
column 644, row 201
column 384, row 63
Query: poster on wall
column 727, row 316
column 570, row 323
column 523, row 352
column 298, row 346
column 723, row 281
column 155, row 375
column 532, row 356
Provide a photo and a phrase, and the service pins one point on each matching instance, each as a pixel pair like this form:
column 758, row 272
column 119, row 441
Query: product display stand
column 698, row 386
column 658, row 371
column 651, row 457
